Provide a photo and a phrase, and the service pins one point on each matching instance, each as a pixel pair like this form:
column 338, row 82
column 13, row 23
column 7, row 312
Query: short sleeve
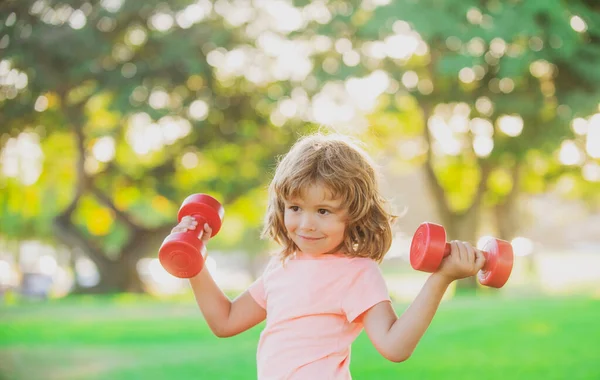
column 257, row 291
column 367, row 289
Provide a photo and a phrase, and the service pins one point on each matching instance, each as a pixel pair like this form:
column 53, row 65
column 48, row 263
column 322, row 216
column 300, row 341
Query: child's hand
column 189, row 224
column 464, row 261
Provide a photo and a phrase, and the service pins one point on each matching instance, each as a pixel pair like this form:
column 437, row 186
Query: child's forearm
column 406, row 332
column 213, row 303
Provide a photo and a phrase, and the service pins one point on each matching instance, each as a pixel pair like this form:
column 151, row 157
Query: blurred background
column 484, row 116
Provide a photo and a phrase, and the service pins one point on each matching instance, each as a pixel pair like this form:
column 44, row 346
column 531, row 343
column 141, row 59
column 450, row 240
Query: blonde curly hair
column 347, row 171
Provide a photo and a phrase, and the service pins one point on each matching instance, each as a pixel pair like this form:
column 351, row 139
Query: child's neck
column 320, row 256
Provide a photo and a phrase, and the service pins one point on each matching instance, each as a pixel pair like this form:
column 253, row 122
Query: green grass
column 141, row 338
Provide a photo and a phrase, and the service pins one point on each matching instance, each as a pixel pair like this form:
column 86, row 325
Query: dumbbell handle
column 448, row 248
column 199, row 231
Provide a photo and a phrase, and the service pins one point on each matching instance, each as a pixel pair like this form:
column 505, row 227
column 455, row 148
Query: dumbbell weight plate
column 499, row 258
column 427, row 247
column 182, row 255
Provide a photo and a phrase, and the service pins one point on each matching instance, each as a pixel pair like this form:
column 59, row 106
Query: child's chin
column 313, row 252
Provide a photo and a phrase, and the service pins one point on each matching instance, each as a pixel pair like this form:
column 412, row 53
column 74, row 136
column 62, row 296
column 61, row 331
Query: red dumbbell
column 429, row 247
column 182, row 253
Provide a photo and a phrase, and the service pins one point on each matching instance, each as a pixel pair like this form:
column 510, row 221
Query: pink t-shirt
column 312, row 307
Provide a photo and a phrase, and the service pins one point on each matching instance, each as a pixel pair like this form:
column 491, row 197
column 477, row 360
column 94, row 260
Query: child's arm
column 396, row 338
column 224, row 317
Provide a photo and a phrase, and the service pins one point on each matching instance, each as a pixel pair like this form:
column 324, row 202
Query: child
column 326, row 211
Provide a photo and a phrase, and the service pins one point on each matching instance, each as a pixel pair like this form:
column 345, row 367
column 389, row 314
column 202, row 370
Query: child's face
column 315, row 222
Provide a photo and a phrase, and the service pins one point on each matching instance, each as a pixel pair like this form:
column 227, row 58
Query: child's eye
column 323, row 211
column 294, row 208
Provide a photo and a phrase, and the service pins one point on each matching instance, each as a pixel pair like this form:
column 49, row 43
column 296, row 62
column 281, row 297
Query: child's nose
column 307, row 223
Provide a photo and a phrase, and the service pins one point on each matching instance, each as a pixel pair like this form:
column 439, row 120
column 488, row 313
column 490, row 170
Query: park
column 481, row 117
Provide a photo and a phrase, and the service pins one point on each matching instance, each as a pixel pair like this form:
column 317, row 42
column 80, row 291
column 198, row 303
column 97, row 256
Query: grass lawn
column 127, row 337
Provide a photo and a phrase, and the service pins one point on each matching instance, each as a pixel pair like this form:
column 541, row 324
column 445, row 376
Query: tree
column 138, row 95
column 127, row 100
column 483, row 90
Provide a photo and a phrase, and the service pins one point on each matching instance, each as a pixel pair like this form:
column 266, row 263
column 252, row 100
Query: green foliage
column 106, row 77
column 95, row 78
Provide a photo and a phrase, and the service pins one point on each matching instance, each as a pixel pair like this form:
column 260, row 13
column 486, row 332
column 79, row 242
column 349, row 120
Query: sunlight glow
column 506, row 85
column 409, row 149
column 41, row 103
column 410, row 79
column 11, row 80
column 193, row 13
column 189, row 160
column 591, row 172
column 161, row 22
column 112, row 6
column 104, row 149
column 22, row 158
column 466, row 75
column 484, row 105
column 438, row 128
column 483, row 146
column 569, row 153
column 498, row 47
column 365, row 91
column 459, row 123
column 522, row 246
column 158, row 99
column 86, row 272
column 144, row 136
column 284, row 17
column 580, row 126
column 136, row 36
column 198, row 110
column 578, row 24
column 332, row 105
column 482, row 241
column 47, row 265
column 511, row 125
column 158, row 281
column 374, row 49
column 401, row 46
column 235, row 13
column 317, row 11
column 77, row 19
column 562, row 274
column 159, row 274
column 344, row 104
column 592, row 145
column 451, row 146
column 481, row 127
column 5, row 272
column 540, row 68
column 288, row 108
column 276, row 59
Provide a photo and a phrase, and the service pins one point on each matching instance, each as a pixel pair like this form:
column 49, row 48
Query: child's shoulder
column 330, row 261
column 364, row 263
column 355, row 264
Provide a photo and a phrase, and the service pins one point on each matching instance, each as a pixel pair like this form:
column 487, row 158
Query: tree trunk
column 506, row 213
column 464, row 227
column 459, row 225
column 117, row 277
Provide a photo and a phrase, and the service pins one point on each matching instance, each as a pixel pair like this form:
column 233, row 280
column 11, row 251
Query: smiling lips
column 308, row 238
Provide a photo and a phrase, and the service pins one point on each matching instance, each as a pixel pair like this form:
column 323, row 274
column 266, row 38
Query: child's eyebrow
column 320, row 205
column 330, row 206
